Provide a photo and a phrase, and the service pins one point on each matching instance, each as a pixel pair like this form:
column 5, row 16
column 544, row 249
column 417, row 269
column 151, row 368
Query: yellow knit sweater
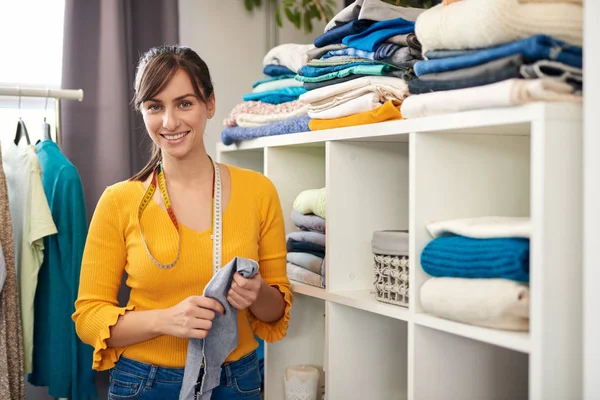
column 253, row 227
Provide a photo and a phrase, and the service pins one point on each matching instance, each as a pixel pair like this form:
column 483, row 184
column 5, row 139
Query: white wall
column 233, row 43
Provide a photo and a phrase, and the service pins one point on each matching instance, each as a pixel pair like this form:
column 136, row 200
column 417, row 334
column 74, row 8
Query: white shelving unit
column 519, row 161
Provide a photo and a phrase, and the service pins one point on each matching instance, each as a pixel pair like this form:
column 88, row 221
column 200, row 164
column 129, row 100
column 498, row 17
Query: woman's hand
column 244, row 292
column 190, row 319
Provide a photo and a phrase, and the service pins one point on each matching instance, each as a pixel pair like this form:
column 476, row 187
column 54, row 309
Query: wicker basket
column 390, row 253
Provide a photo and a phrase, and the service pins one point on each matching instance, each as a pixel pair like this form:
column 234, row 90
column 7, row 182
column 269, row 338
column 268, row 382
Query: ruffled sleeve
column 272, row 261
column 103, row 263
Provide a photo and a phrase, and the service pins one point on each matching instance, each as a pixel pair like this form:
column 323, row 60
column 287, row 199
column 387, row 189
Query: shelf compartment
column 303, row 344
column 463, row 176
column 249, row 159
column 450, row 367
column 367, row 190
column 517, row 341
column 293, row 170
column 364, row 300
column 367, row 355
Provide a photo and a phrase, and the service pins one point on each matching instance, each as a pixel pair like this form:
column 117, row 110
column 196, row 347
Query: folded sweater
column 389, row 111
column 493, row 303
column 311, row 201
column 294, row 125
column 308, row 222
column 484, row 23
column 463, row 257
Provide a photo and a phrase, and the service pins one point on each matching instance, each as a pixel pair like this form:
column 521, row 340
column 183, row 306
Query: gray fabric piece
column 307, row 261
column 392, row 242
column 488, row 68
column 2, row 268
column 299, row 274
column 377, row 10
column 318, row 52
column 317, row 238
column 400, row 40
column 222, row 338
column 308, row 222
column 348, row 14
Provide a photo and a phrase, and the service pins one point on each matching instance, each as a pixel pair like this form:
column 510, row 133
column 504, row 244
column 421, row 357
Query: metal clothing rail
column 56, row 94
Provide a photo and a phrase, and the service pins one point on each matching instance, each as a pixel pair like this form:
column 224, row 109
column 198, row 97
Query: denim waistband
column 165, row 374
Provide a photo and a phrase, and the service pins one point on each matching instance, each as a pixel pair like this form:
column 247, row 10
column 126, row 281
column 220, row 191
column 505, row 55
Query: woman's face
column 175, row 118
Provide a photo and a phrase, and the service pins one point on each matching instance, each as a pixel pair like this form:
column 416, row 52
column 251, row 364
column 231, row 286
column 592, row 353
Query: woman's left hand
column 244, row 292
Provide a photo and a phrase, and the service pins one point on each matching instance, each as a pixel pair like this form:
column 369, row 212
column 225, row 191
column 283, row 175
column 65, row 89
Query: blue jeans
column 131, row 380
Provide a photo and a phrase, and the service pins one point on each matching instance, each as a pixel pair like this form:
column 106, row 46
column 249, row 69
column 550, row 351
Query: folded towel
column 277, row 70
column 290, row 55
column 308, row 222
column 278, row 112
column 317, row 238
column 375, row 10
column 376, row 34
column 389, row 111
column 272, row 79
column 299, row 274
column 306, row 247
column 493, row 303
column 501, row 94
column 306, row 261
column 311, row 201
column 294, row 125
column 463, row 257
column 385, row 87
column 276, row 96
column 274, row 85
column 485, row 23
column 539, row 47
column 483, row 227
column 253, row 120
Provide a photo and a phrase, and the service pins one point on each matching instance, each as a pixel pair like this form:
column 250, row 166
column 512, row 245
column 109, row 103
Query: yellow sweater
column 253, row 227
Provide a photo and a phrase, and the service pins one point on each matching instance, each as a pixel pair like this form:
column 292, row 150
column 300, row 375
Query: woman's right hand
column 190, row 319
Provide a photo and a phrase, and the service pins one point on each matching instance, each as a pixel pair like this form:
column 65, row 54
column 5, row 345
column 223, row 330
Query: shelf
column 518, row 341
column 364, row 300
column 308, row 290
column 499, row 121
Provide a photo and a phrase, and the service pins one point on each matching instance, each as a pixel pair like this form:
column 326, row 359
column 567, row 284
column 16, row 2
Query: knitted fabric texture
column 222, row 338
column 462, row 257
column 267, row 110
column 293, row 125
column 484, row 23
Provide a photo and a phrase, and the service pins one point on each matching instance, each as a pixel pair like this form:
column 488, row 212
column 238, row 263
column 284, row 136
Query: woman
column 158, row 226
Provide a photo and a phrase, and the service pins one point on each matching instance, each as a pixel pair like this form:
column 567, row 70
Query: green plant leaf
column 278, row 16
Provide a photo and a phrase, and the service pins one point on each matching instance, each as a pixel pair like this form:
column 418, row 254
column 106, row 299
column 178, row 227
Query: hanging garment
column 31, row 222
column 12, row 386
column 60, row 360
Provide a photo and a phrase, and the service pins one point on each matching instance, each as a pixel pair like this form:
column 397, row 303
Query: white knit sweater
column 471, row 24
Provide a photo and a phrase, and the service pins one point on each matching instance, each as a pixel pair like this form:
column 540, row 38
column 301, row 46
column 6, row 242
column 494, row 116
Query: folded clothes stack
column 496, row 53
column 358, row 70
column 480, row 271
column 272, row 107
column 306, row 247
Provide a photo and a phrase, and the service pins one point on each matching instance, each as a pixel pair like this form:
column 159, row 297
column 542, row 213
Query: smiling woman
column 158, row 226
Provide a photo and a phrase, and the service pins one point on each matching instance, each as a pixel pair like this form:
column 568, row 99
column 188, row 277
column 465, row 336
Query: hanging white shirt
column 31, row 221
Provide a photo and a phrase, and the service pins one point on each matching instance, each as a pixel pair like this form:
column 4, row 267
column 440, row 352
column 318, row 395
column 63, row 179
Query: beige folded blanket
column 493, row 303
column 507, row 93
column 471, row 24
column 381, row 88
column 272, row 112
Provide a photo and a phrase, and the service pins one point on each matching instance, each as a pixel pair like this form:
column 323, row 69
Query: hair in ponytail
column 155, row 69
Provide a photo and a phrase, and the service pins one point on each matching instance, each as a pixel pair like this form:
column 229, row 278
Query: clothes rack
column 56, row 94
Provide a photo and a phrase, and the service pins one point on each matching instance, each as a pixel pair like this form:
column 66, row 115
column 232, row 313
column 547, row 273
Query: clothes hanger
column 21, row 128
column 46, row 126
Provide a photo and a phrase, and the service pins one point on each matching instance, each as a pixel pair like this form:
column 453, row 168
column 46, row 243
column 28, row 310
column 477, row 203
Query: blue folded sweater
column 463, row 257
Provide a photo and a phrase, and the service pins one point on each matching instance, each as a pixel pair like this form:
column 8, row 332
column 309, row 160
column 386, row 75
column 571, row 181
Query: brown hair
column 155, row 69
